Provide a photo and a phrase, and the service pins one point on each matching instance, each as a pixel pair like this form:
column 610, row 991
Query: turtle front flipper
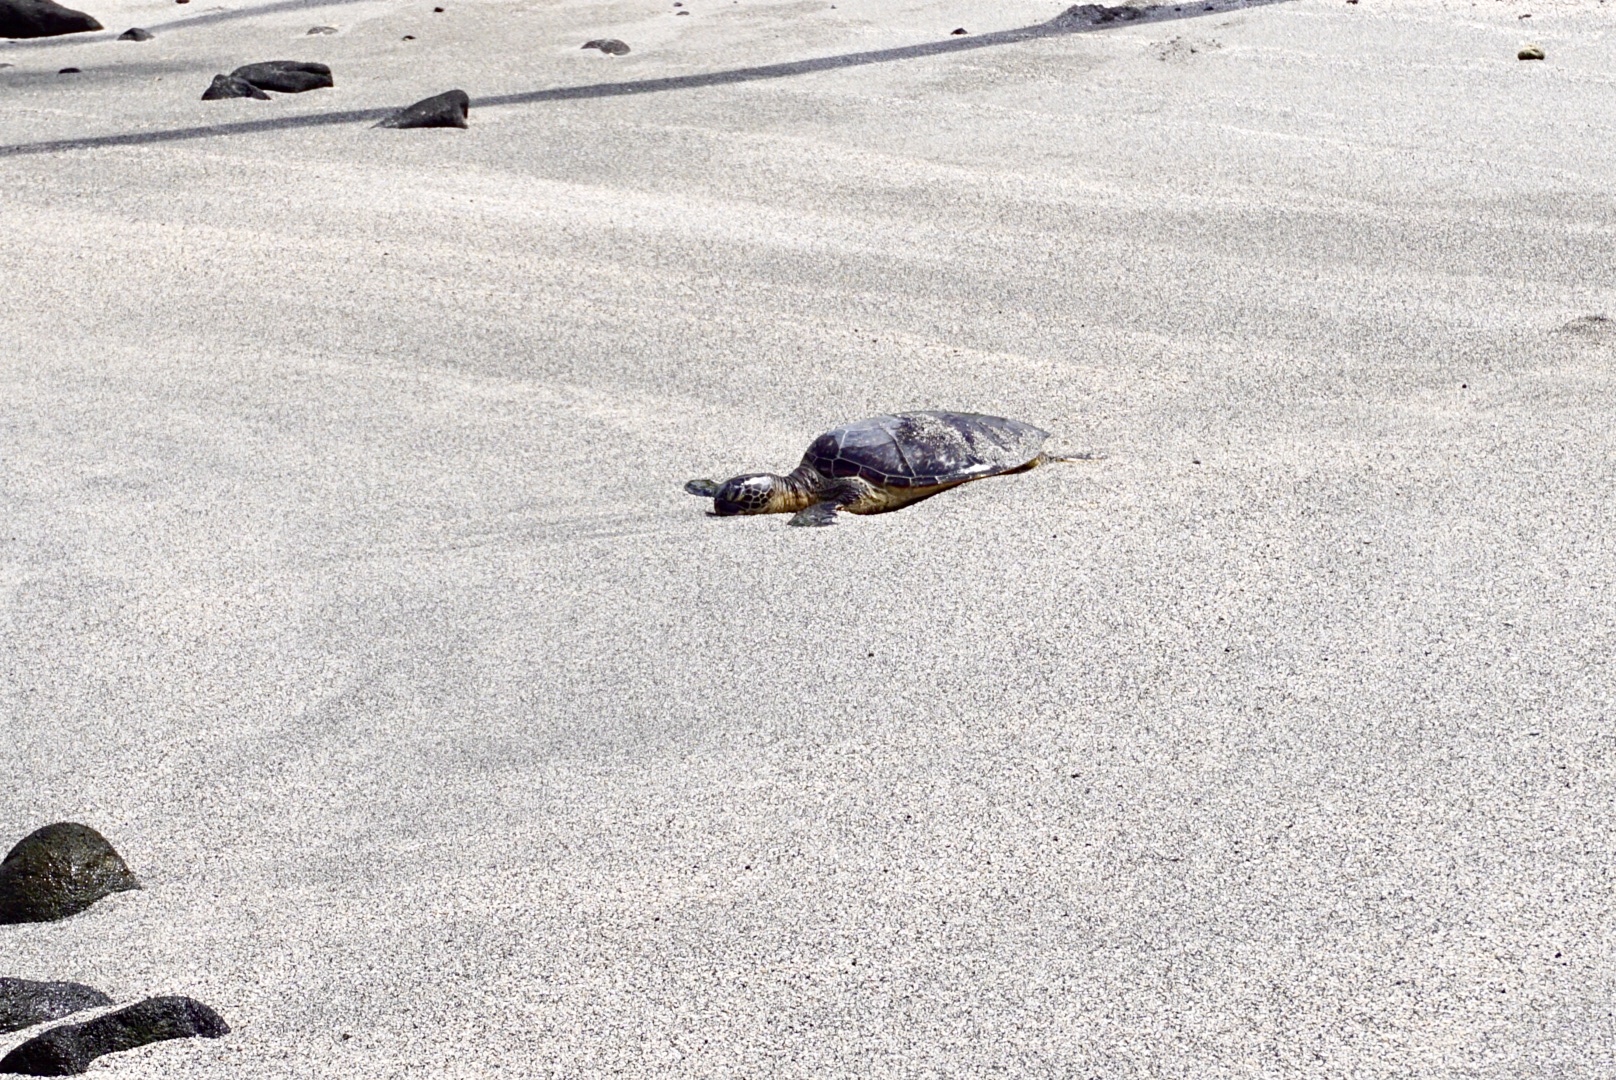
column 817, row 515
column 847, row 493
column 706, row 489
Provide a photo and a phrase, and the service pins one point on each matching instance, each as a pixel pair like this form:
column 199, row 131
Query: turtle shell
column 925, row 449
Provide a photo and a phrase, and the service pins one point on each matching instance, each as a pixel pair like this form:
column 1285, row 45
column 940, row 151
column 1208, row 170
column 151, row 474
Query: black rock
column 1097, row 14
column 59, row 871
column 41, row 18
column 285, row 76
column 69, row 71
column 609, row 46
column 322, row 30
column 135, row 33
column 448, row 109
column 957, row 31
column 1531, row 52
column 24, row 1002
column 228, row 86
column 68, row 1050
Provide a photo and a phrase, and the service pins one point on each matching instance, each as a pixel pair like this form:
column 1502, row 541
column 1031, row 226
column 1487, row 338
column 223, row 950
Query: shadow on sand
column 207, row 19
column 1080, row 19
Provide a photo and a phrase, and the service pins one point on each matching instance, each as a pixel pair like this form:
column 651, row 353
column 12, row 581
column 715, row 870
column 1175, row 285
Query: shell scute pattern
column 925, row 449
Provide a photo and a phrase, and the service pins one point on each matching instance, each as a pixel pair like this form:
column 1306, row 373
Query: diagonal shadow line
column 211, row 17
column 1058, row 27
column 206, row 19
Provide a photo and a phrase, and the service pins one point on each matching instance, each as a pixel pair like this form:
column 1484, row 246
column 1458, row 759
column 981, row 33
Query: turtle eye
column 743, row 495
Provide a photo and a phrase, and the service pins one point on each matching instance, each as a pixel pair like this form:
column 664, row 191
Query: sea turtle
column 884, row 463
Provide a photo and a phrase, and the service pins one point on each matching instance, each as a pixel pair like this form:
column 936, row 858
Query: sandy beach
column 348, row 587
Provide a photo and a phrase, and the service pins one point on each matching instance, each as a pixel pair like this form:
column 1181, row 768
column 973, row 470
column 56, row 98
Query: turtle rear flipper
column 706, row 489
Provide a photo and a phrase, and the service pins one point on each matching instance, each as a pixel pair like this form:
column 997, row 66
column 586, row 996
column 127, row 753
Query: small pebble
column 68, row 71
column 609, row 46
column 957, row 31
column 1531, row 52
column 408, row 37
column 135, row 33
column 322, row 30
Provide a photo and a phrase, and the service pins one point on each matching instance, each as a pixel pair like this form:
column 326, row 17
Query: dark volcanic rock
column 285, row 76
column 609, row 46
column 1531, row 52
column 69, row 1049
column 1096, row 15
column 135, row 33
column 41, row 18
column 70, row 71
column 59, row 871
column 24, row 1002
column 228, row 86
column 448, row 109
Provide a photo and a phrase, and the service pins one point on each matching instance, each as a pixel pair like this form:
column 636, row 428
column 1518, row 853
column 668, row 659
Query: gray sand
column 350, row 590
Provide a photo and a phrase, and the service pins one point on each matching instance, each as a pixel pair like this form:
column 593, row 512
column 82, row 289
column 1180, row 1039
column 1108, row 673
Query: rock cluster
column 69, row 1049
column 281, row 76
column 52, row 873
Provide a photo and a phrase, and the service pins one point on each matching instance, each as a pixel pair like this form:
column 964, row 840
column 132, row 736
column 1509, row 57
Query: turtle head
column 749, row 494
